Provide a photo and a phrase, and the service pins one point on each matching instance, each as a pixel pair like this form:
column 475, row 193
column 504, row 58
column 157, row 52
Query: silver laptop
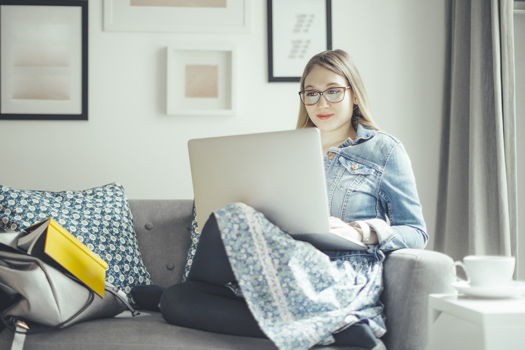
column 281, row 174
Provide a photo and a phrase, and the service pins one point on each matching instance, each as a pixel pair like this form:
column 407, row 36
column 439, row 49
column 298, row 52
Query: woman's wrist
column 364, row 230
column 358, row 231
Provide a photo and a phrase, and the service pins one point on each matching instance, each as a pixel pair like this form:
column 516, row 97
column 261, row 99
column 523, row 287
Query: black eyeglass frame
column 301, row 95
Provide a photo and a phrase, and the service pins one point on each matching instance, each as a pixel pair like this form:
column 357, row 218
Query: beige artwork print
column 202, row 81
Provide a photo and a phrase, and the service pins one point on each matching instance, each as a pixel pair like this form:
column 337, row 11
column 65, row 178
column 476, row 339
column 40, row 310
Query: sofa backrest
column 163, row 234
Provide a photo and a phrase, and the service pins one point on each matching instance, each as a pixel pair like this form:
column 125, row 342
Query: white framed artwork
column 185, row 16
column 201, row 80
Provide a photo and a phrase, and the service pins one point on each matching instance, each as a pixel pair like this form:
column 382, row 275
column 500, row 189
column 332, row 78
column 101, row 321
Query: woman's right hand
column 341, row 228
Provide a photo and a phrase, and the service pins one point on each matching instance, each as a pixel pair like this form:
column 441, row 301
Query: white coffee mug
column 488, row 270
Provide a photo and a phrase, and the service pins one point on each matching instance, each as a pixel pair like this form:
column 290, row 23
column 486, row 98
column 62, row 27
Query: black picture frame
column 45, row 108
column 274, row 76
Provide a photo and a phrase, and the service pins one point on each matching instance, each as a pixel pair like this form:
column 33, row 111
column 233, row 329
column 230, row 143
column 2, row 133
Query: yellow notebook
column 51, row 238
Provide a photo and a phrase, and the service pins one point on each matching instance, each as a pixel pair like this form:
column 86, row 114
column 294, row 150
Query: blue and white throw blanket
column 297, row 294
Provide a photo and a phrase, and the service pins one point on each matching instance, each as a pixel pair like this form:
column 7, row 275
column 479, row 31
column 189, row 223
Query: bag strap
column 20, row 336
column 116, row 291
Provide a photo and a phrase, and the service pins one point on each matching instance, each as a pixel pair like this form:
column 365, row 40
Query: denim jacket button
column 355, row 167
column 330, row 155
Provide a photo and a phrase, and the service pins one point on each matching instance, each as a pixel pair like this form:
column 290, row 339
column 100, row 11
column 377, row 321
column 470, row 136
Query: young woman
column 250, row 278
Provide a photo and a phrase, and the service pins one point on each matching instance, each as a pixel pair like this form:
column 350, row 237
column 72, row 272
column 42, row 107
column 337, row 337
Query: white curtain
column 477, row 202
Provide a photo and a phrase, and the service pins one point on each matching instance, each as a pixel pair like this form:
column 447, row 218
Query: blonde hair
column 339, row 62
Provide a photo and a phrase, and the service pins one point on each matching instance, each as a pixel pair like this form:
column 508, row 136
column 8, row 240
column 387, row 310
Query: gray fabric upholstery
column 162, row 228
column 144, row 332
column 163, row 233
column 410, row 275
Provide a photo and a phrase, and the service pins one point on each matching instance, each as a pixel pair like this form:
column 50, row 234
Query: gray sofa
column 162, row 228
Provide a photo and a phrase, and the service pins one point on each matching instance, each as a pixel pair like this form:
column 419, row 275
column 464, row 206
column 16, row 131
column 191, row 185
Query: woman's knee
column 184, row 304
column 208, row 307
column 175, row 303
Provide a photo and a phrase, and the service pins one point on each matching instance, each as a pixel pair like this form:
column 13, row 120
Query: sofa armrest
column 410, row 275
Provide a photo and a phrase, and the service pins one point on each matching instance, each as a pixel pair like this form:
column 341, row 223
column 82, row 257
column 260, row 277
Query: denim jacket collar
column 363, row 134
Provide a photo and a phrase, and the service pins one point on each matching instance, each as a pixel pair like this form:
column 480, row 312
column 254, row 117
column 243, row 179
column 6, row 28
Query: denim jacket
column 370, row 179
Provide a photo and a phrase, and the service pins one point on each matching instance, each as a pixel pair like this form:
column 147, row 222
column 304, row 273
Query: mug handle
column 460, row 264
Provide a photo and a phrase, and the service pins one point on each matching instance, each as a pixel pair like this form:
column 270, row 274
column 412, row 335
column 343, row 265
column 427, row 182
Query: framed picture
column 44, row 60
column 201, row 80
column 195, row 16
column 297, row 30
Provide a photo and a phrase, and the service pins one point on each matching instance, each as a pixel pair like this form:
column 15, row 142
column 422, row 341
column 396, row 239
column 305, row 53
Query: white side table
column 460, row 322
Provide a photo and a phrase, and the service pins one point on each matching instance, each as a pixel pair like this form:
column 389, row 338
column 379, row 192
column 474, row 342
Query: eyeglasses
column 332, row 95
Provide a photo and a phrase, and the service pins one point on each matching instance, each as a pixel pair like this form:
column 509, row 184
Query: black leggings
column 204, row 301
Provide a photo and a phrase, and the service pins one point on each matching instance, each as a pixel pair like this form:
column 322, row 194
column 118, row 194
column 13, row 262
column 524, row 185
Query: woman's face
column 327, row 116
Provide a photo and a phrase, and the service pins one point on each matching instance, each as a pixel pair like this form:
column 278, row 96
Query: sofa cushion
column 147, row 331
column 99, row 217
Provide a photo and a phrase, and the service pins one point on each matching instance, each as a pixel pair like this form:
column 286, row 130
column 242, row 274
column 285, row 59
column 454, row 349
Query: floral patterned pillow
column 99, row 217
column 195, row 236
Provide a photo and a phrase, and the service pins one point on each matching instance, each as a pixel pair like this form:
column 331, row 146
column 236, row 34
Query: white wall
column 399, row 47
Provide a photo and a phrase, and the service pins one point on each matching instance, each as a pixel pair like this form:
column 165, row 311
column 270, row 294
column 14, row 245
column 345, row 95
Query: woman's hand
column 340, row 228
